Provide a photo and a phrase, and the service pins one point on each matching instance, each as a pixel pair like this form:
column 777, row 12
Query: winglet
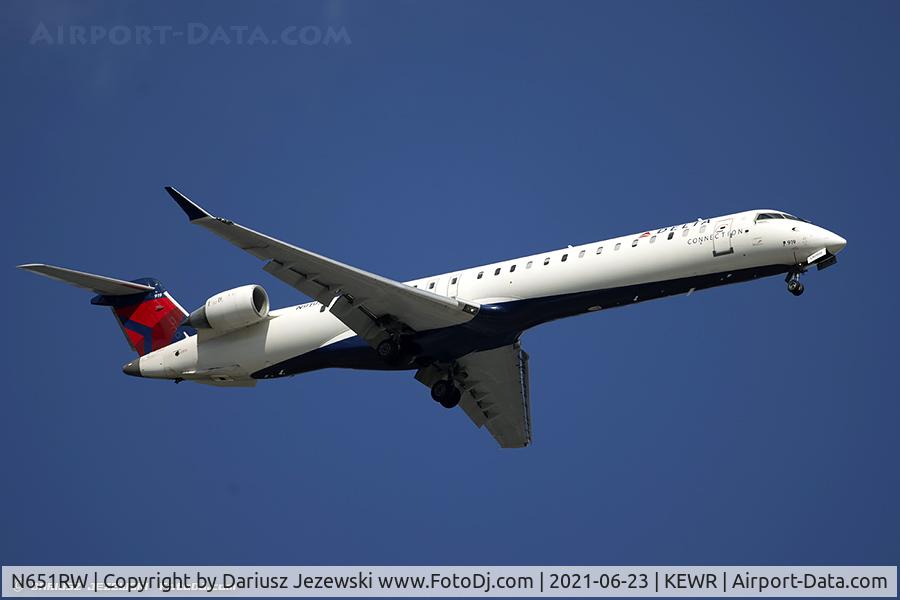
column 193, row 211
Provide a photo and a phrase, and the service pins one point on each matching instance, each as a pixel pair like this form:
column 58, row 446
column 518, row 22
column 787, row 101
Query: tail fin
column 149, row 316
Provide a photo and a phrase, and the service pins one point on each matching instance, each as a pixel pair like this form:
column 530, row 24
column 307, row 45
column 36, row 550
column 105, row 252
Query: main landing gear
column 445, row 393
column 793, row 283
column 388, row 350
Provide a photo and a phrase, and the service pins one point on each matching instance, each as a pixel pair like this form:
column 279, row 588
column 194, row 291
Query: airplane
column 459, row 331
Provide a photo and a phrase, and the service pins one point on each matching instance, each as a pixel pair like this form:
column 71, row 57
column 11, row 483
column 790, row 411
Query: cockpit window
column 763, row 216
column 793, row 218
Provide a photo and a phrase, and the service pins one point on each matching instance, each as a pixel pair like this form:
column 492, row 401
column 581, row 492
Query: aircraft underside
column 501, row 324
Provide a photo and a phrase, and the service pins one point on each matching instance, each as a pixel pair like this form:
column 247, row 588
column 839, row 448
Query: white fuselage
column 720, row 245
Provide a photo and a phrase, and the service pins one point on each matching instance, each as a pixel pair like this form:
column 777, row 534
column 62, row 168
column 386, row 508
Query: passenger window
column 617, row 246
column 512, row 268
column 497, row 271
column 564, row 257
column 546, row 261
column 453, row 281
column 671, row 234
column 415, row 285
column 323, row 308
column 480, row 275
column 652, row 238
column 581, row 254
column 528, row 264
column 599, row 249
column 431, row 286
column 634, row 243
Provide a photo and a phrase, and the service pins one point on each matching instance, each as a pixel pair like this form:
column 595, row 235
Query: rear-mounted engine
column 232, row 309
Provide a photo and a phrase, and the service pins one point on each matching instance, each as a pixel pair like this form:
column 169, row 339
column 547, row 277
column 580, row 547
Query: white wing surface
column 371, row 305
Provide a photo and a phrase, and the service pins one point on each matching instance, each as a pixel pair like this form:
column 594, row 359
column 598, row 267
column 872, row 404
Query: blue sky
column 737, row 426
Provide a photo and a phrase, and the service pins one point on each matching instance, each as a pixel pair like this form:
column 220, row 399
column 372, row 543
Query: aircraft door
column 453, row 286
column 722, row 238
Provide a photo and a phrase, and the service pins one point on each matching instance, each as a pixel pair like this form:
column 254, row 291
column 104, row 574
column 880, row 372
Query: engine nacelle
column 232, row 309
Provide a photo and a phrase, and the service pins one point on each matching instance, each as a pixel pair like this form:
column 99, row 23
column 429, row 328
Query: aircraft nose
column 133, row 368
column 834, row 242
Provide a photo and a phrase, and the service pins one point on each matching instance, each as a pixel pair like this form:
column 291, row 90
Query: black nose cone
column 133, row 368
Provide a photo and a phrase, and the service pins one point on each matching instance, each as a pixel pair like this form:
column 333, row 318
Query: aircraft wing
column 369, row 304
column 496, row 393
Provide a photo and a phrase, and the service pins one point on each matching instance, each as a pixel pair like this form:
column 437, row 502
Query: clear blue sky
column 739, row 425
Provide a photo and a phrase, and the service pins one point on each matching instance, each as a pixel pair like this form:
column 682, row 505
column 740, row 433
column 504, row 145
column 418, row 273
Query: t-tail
column 148, row 315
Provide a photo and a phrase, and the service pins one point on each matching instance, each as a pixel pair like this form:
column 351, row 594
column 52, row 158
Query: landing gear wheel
column 388, row 350
column 793, row 282
column 794, row 286
column 445, row 393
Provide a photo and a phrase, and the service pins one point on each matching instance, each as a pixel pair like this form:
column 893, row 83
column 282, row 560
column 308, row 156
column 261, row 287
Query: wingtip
column 193, row 211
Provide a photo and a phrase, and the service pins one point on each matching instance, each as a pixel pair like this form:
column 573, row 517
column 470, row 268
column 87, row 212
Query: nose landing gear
column 793, row 283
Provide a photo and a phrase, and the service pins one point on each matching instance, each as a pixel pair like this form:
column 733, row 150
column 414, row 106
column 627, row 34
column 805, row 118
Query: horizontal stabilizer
column 106, row 286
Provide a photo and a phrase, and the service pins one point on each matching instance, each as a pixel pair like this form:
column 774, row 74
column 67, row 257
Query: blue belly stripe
column 501, row 324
